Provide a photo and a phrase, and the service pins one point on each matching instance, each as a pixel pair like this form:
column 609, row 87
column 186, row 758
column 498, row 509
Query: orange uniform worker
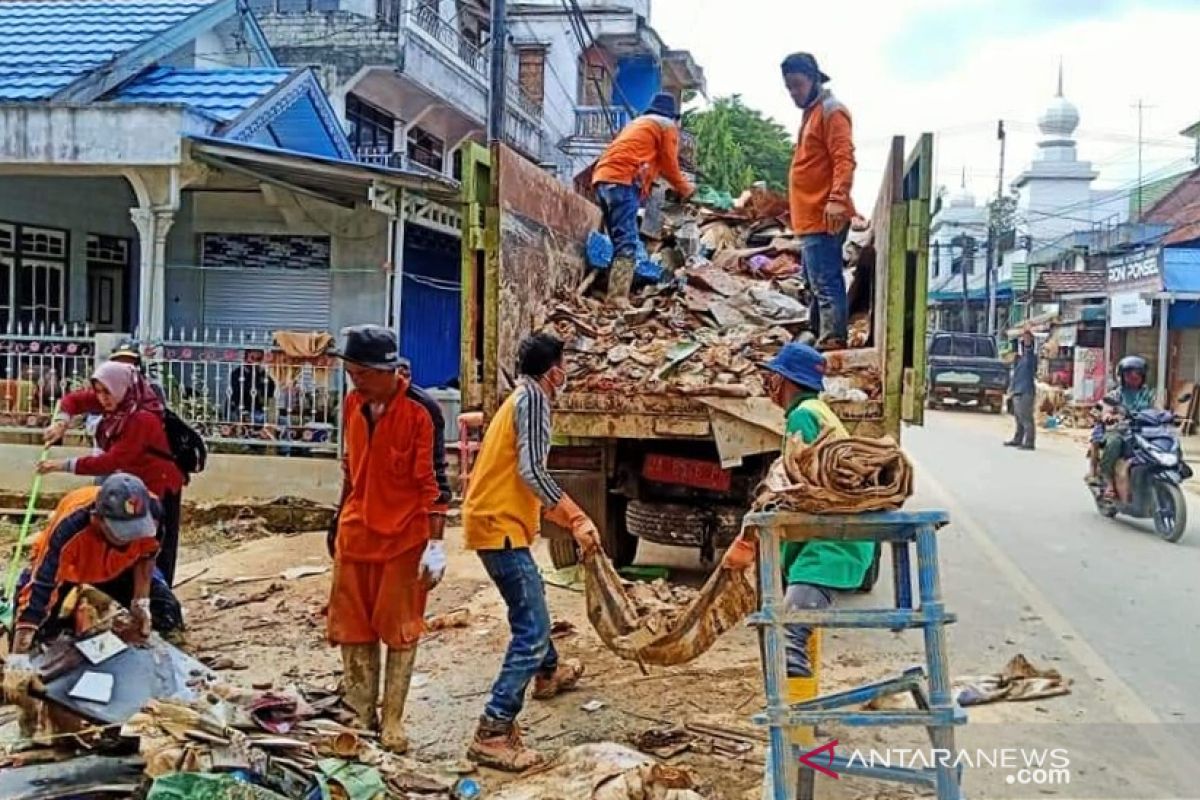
column 103, row 536
column 822, row 174
column 645, row 149
column 388, row 548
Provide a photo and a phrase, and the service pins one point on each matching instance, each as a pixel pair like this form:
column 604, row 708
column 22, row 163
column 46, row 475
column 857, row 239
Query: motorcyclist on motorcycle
column 1131, row 396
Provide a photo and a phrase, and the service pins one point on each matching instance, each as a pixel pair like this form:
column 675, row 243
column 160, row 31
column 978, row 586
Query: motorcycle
column 1149, row 475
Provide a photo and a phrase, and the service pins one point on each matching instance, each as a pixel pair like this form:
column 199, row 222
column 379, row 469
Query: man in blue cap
column 645, row 149
column 812, row 570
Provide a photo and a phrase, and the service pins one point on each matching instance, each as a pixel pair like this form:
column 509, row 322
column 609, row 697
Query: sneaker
column 831, row 344
column 1026, row 447
column 498, row 745
column 564, row 679
column 1012, row 444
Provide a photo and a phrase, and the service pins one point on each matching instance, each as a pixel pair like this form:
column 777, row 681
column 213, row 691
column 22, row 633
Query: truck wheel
column 618, row 543
column 872, row 576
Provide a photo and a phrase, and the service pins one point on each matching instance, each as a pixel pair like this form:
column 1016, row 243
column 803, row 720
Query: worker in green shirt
column 813, row 570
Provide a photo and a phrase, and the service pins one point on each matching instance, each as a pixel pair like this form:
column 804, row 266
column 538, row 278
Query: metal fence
column 38, row 365
column 243, row 392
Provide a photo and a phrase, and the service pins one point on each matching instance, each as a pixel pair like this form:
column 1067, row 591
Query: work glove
column 567, row 514
column 433, row 562
column 141, row 615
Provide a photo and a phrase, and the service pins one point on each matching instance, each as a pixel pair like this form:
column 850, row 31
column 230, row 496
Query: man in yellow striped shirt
column 510, row 489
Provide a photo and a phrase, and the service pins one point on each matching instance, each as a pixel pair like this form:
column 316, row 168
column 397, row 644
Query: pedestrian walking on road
column 1023, row 388
column 387, row 543
column 644, row 149
column 131, row 438
column 822, row 175
column 510, row 490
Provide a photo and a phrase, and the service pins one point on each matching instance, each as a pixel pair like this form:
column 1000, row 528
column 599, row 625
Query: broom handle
column 14, row 566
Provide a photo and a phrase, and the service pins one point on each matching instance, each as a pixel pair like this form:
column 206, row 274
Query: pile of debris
column 89, row 699
column 720, row 293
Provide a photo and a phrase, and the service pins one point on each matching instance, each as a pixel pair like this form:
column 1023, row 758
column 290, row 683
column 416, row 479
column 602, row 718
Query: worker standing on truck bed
column 388, row 549
column 812, row 570
column 644, row 149
column 822, row 175
column 510, row 487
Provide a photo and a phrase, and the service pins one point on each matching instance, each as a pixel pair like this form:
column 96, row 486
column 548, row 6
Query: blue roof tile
column 220, row 93
column 45, row 46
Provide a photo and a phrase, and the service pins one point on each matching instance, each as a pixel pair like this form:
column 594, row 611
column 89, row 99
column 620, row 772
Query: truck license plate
column 687, row 472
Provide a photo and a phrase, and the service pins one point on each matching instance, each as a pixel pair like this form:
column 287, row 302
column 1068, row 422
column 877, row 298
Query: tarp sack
column 663, row 638
column 849, row 475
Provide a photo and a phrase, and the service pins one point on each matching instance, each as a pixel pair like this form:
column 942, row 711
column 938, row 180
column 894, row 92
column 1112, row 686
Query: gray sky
column 954, row 67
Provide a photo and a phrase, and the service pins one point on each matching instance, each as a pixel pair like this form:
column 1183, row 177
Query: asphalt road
column 1031, row 567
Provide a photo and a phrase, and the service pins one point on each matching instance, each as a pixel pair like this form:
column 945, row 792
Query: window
column 33, row 268
column 372, row 130
column 426, row 149
column 531, row 71
column 595, row 81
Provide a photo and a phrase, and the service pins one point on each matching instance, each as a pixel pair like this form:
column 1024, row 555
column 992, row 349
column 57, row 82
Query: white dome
column 1060, row 119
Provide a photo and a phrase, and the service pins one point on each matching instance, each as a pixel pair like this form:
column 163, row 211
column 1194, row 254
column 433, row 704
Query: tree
column 736, row 145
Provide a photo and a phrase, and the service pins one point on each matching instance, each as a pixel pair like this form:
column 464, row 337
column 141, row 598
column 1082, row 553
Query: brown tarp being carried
column 665, row 638
column 838, row 476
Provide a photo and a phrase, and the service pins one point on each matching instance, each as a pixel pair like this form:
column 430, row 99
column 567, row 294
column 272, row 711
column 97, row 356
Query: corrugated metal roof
column 220, row 93
column 1051, row 284
column 46, row 46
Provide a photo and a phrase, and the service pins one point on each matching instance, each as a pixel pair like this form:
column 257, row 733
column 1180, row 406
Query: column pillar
column 153, row 226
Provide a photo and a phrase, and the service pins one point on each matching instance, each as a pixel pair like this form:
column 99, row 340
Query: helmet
column 127, row 350
column 1131, row 364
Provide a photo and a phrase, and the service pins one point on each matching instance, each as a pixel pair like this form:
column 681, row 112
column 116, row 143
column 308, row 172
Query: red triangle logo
column 812, row 757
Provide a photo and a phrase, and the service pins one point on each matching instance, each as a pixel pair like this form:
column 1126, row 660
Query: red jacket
column 141, row 448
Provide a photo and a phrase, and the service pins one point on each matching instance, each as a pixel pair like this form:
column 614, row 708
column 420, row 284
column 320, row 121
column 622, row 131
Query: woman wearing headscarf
column 133, row 440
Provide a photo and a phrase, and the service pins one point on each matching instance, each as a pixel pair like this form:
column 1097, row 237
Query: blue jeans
column 530, row 650
column 807, row 597
column 827, row 313
column 619, row 205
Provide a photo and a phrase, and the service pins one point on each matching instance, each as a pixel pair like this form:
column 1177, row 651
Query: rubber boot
column 360, row 681
column 620, row 278
column 395, row 694
column 800, row 690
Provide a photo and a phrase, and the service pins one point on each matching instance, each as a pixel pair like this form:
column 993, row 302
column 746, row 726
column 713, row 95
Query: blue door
column 431, row 305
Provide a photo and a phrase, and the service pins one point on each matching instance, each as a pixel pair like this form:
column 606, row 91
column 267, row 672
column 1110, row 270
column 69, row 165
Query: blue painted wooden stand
column 929, row 684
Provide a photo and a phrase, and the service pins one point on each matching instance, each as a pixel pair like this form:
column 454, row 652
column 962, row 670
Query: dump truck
column 669, row 468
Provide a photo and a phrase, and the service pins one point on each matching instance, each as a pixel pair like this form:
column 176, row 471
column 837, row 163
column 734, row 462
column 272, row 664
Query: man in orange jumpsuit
column 644, row 149
column 103, row 536
column 388, row 548
column 822, row 175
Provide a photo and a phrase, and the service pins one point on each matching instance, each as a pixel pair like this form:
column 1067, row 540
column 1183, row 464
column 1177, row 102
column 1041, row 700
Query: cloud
column 935, row 39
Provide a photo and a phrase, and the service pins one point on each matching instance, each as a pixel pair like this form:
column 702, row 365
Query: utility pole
column 497, row 96
column 994, row 237
column 1141, row 107
column 966, row 249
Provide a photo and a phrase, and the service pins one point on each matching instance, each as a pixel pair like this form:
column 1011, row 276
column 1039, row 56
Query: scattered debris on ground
column 1019, row 680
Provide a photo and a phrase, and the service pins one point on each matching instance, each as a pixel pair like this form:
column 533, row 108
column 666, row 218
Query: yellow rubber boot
column 397, row 680
column 802, row 689
column 360, row 681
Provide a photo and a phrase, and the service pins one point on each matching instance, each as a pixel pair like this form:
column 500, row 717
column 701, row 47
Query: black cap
column 803, row 64
column 370, row 346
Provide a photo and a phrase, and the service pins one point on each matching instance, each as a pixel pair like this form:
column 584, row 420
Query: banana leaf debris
column 731, row 293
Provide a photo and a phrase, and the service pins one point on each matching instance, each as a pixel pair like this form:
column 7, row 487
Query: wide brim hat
column 370, row 346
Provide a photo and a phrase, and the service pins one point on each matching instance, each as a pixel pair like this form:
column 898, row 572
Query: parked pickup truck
column 668, row 468
column 965, row 370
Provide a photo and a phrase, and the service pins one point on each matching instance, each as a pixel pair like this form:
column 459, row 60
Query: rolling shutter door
column 268, row 300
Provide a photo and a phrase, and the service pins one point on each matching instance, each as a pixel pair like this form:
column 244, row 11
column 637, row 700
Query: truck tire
column 618, row 543
column 680, row 525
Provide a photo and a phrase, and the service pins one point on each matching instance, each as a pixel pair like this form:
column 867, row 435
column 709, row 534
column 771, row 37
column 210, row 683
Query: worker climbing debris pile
column 719, row 296
column 835, row 475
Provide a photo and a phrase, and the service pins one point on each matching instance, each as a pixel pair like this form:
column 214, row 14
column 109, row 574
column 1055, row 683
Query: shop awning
column 1181, row 270
column 345, row 183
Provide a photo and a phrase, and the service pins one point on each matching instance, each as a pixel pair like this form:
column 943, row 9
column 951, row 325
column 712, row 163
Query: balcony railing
column 384, row 157
column 474, row 57
column 427, row 18
column 594, row 122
